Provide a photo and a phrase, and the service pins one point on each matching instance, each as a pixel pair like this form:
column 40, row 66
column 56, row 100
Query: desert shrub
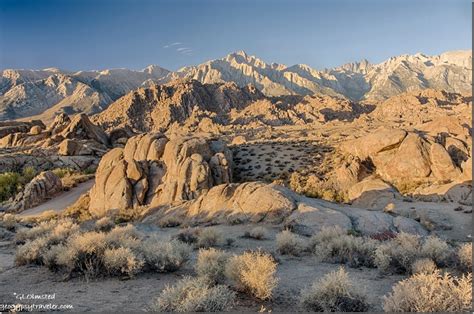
column 104, row 224
column 333, row 293
column 209, row 237
column 211, row 264
column 125, row 236
column 84, row 254
column 28, row 174
column 464, row 257
column 433, row 292
column 436, row 249
column 63, row 172
column 312, row 186
column 398, row 254
column 122, row 261
column 50, row 256
column 334, row 245
column 26, row 234
column 423, row 266
column 9, row 184
column 9, row 221
column 169, row 222
column 257, row 233
column 194, row 295
column 31, row 252
column 54, row 231
column 289, row 243
column 253, row 272
column 188, row 235
column 164, row 256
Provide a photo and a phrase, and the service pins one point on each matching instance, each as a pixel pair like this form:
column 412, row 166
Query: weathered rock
column 42, row 187
column 442, row 165
column 372, row 194
column 259, row 202
column 157, row 171
column 59, row 123
column 35, row 130
column 380, row 140
column 308, row 220
column 409, row 161
column 82, row 128
column 239, row 140
column 10, row 127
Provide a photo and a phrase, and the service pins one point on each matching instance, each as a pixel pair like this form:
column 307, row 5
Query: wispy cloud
column 172, row 44
column 180, row 48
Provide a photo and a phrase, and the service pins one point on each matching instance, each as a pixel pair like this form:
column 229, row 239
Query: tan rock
column 372, row 194
column 35, row 130
column 441, row 163
column 39, row 189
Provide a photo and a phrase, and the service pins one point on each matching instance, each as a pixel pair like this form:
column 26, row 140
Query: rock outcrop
column 260, row 202
column 400, row 156
column 153, row 170
column 76, row 143
column 43, row 187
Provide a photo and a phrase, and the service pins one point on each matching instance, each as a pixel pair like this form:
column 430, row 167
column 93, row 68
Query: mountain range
column 42, row 94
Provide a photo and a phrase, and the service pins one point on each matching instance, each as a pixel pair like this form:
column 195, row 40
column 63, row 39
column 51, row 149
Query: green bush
column 9, row 185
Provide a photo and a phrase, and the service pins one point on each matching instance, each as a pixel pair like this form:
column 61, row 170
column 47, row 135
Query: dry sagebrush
column 194, row 295
column 398, row 254
column 423, row 266
column 289, row 243
column 433, row 292
column 209, row 237
column 211, row 264
column 257, row 233
column 464, row 257
column 334, row 245
column 121, row 251
column 253, row 272
column 333, row 293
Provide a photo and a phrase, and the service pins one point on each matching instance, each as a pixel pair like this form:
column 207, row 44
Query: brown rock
column 41, row 188
column 441, row 164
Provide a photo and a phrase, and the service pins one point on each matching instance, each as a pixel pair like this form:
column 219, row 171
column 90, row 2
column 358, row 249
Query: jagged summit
column 43, row 94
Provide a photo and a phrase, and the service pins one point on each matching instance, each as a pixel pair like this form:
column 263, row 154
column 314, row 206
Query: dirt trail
column 61, row 201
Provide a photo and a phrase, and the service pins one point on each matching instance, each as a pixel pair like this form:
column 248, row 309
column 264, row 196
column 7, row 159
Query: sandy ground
column 61, row 201
column 114, row 294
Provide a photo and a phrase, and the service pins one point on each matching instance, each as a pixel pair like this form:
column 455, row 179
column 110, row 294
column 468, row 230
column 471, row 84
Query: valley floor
column 136, row 294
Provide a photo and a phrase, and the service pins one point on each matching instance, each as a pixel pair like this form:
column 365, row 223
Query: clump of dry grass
column 164, row 256
column 253, row 272
column 398, row 254
column 9, row 221
column 289, row 243
column 194, row 295
column 436, row 249
column 433, row 292
column 257, row 233
column 334, row 245
column 423, row 266
column 211, row 264
column 169, row 222
column 209, row 237
column 464, row 257
column 122, row 261
column 104, row 224
column 333, row 293
column 188, row 235
column 64, row 247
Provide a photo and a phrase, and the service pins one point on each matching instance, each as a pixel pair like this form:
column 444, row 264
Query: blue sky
column 87, row 34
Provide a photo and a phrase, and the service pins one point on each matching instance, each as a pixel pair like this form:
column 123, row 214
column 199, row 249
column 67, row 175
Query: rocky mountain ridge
column 42, row 94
